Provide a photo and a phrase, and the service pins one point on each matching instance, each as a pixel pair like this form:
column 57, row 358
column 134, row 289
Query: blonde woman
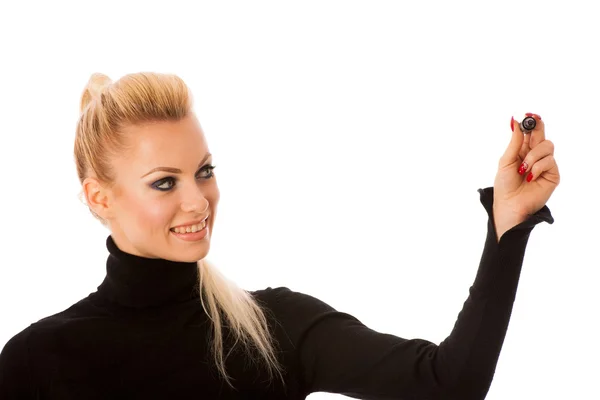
column 164, row 324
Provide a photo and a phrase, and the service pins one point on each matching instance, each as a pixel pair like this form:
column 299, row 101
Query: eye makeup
column 156, row 185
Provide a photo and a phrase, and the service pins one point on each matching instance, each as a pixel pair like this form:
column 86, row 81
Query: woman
column 165, row 324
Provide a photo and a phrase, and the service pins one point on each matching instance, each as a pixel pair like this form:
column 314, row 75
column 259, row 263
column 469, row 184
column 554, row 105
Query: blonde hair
column 106, row 108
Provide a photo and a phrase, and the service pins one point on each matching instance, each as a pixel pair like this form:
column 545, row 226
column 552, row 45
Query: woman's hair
column 106, row 109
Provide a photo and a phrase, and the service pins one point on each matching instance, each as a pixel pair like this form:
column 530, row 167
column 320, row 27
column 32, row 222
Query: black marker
column 528, row 124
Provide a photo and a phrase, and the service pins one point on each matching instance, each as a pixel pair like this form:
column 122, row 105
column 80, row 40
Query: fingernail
column 523, row 168
column 537, row 116
column 529, row 114
column 530, row 177
column 512, row 124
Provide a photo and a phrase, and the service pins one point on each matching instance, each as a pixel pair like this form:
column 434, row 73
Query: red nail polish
column 523, row 168
column 529, row 114
column 537, row 116
column 512, row 124
column 530, row 177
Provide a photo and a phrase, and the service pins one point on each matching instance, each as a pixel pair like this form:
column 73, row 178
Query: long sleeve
column 14, row 369
column 336, row 353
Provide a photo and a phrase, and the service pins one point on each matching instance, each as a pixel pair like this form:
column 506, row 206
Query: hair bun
column 94, row 88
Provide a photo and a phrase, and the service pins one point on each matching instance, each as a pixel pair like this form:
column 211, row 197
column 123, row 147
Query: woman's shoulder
column 16, row 346
column 299, row 315
column 40, row 329
column 282, row 297
column 296, row 310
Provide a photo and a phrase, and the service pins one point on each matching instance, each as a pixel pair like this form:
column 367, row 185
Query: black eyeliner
column 208, row 167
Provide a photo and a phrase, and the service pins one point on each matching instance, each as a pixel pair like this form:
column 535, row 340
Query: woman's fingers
column 546, row 166
column 516, row 142
column 540, row 152
column 537, row 136
column 521, row 144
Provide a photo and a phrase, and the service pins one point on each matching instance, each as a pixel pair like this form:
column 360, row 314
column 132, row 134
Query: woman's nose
column 199, row 206
column 195, row 202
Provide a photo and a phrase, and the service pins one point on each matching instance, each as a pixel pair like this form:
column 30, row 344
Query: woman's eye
column 160, row 185
column 209, row 169
column 166, row 184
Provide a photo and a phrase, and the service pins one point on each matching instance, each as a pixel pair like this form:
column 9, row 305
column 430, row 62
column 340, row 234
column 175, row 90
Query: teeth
column 190, row 228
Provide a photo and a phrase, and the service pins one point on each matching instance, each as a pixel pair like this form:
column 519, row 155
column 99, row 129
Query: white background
column 350, row 139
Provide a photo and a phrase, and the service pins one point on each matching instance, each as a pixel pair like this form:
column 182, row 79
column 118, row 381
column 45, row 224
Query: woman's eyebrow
column 174, row 170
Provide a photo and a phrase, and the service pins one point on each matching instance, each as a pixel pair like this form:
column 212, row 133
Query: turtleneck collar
column 138, row 282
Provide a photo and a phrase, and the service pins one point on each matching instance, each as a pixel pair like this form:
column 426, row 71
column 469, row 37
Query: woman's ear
column 98, row 197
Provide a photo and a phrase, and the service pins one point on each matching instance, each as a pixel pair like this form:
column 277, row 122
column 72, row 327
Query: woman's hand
column 527, row 176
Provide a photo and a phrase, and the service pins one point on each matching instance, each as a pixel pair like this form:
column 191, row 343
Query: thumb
column 516, row 142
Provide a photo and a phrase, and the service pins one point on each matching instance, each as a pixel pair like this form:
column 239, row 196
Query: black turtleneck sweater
column 143, row 335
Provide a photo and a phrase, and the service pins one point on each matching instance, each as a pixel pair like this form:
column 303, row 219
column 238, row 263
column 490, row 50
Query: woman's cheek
column 154, row 216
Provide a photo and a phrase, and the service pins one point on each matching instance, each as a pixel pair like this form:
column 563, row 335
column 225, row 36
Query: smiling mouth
column 191, row 228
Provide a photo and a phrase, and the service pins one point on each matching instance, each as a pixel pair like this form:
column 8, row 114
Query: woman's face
column 164, row 181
